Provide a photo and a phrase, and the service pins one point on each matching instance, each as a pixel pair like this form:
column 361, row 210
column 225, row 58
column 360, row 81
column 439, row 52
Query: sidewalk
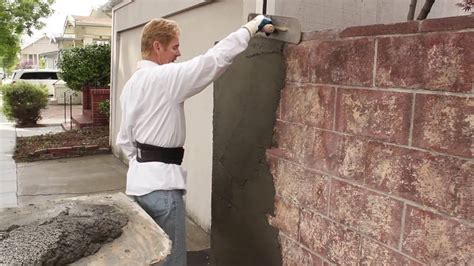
column 61, row 178
column 54, row 114
column 7, row 164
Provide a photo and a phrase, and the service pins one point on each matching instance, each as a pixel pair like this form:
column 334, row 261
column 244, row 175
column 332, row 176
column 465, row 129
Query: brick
column 294, row 255
column 47, row 156
column 59, row 149
column 376, row 215
column 438, row 61
column 287, row 217
column 307, row 188
column 436, row 240
column 297, row 60
column 292, row 140
column 41, row 151
column 103, row 150
column 451, row 23
column 91, row 147
column 373, row 253
column 332, row 241
column 380, row 115
column 381, row 29
column 342, row 156
column 320, row 35
column 444, row 124
column 86, row 98
column 343, row 62
column 309, row 105
column 74, row 154
column 441, row 182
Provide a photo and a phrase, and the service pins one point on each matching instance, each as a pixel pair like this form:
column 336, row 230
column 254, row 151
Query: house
column 202, row 24
column 44, row 48
column 78, row 31
column 92, row 29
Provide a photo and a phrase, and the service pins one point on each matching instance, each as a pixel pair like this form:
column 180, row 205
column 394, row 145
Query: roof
column 50, row 46
column 35, row 41
column 88, row 21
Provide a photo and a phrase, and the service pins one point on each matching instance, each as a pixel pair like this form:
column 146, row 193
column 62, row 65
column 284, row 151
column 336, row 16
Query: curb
column 68, row 152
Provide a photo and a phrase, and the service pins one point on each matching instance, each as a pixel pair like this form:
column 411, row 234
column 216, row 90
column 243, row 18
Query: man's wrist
column 251, row 28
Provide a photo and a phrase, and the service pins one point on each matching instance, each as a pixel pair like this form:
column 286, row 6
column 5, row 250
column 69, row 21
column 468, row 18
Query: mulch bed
column 74, row 143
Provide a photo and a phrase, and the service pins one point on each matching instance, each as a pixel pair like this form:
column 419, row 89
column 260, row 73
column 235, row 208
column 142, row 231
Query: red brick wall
column 98, row 96
column 372, row 159
column 86, row 98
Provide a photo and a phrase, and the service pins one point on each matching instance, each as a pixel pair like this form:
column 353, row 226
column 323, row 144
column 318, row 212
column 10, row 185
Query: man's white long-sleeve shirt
column 152, row 105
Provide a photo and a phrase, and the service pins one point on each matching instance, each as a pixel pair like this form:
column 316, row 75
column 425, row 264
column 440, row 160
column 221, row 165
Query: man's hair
column 162, row 30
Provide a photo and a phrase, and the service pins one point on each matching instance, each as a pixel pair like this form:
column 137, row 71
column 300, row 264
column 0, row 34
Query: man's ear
column 156, row 46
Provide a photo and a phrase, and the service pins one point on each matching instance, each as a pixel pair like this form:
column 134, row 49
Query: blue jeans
column 166, row 207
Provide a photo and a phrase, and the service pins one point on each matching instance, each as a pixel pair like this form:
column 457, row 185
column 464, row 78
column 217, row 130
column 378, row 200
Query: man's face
column 168, row 53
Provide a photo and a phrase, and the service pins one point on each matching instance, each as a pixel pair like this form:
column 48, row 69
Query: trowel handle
column 269, row 28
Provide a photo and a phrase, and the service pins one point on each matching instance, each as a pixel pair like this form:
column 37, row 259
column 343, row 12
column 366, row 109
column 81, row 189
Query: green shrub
column 86, row 66
column 23, row 101
column 104, row 108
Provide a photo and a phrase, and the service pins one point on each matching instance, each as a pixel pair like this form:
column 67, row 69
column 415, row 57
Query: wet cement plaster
column 246, row 98
column 77, row 231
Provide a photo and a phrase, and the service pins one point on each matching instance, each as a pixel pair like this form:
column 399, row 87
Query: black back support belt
column 150, row 153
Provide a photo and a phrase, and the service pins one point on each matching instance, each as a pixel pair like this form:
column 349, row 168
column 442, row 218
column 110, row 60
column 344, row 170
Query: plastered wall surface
column 373, row 147
column 245, row 101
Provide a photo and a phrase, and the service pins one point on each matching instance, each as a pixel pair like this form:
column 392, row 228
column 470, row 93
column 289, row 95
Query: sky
column 62, row 8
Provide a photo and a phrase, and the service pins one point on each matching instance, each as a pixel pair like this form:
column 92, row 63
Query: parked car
column 37, row 76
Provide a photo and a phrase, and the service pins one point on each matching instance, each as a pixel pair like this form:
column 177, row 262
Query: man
column 152, row 131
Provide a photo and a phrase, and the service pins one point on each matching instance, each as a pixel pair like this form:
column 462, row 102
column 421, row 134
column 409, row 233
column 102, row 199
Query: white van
column 37, row 76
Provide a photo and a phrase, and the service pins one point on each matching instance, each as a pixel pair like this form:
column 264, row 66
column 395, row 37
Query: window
column 39, row 75
column 101, row 42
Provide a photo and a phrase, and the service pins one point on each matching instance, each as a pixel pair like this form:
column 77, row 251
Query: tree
column 107, row 7
column 86, row 66
column 9, row 58
column 18, row 17
column 425, row 10
column 466, row 5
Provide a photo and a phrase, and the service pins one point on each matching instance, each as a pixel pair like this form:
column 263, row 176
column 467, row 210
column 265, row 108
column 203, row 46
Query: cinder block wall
column 372, row 159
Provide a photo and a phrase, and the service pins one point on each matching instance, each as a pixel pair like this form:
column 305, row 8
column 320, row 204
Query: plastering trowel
column 285, row 29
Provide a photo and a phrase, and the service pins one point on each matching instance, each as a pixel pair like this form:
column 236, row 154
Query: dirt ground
column 25, row 146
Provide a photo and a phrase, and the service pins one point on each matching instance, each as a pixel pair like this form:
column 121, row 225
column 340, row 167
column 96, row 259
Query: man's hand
column 257, row 24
